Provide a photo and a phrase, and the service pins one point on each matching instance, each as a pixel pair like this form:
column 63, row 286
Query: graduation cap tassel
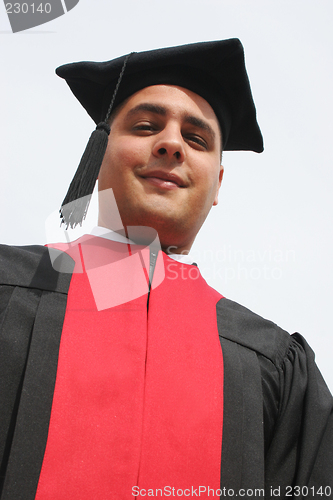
column 76, row 202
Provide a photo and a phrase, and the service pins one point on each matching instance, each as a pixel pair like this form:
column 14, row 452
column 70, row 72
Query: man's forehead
column 168, row 96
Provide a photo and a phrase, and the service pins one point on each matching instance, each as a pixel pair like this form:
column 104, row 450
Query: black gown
column 278, row 411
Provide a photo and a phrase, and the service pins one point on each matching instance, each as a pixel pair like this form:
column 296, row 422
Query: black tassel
column 76, row 202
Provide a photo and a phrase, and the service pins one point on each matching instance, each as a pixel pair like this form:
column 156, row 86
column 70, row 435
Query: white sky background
column 268, row 244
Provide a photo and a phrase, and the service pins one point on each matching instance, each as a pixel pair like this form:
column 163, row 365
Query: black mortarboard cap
column 214, row 70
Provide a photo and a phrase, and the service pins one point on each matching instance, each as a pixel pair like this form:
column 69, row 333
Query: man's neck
column 144, row 236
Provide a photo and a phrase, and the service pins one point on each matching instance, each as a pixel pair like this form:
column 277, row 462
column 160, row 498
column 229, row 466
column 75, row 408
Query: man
column 123, row 373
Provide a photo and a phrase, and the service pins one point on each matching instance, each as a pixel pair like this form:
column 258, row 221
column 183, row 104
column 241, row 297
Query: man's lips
column 164, row 180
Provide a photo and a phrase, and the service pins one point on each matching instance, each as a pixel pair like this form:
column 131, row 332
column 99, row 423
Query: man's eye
column 144, row 127
column 198, row 141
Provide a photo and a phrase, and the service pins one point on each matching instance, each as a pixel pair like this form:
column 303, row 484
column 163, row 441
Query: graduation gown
column 277, row 411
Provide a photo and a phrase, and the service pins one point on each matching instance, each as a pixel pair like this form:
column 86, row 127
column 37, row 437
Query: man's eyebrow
column 146, row 106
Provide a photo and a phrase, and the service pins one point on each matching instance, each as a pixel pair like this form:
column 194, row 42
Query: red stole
column 138, row 400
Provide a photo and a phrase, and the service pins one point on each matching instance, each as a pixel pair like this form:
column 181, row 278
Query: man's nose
column 170, row 143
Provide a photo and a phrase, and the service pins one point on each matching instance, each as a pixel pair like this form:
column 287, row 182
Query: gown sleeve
column 299, row 461
column 28, row 283
column 276, row 404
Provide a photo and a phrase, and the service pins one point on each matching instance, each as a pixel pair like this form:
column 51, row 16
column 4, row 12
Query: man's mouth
column 164, row 180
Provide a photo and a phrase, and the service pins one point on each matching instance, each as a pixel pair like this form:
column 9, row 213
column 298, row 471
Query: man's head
column 163, row 163
column 184, row 91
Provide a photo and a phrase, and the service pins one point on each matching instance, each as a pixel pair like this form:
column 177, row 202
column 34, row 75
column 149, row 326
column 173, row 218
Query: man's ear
column 219, row 185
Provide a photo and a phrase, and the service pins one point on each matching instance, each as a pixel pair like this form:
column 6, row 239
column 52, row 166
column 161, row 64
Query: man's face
column 163, row 163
